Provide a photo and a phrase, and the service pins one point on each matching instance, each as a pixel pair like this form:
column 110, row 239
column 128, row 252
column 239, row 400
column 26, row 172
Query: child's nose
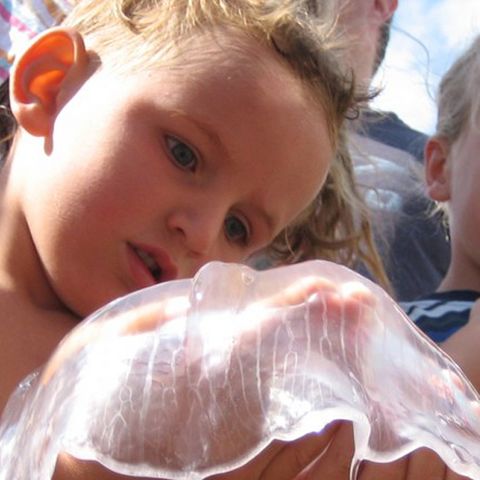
column 197, row 229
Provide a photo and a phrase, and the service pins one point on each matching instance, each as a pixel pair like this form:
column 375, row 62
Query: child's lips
column 150, row 265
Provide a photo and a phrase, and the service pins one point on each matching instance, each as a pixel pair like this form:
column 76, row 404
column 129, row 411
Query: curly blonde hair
column 130, row 34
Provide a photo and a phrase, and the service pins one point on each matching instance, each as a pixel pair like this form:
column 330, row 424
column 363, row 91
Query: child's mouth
column 150, row 263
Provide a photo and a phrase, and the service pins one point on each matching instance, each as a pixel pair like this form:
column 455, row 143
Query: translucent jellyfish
column 195, row 377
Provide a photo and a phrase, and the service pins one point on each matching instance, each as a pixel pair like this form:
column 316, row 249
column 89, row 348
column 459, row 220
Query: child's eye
column 183, row 156
column 236, row 230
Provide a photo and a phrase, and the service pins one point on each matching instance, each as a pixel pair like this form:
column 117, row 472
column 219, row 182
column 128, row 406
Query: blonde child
column 453, row 179
column 153, row 137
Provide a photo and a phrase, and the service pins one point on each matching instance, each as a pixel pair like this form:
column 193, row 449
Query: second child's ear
column 52, row 63
column 437, row 169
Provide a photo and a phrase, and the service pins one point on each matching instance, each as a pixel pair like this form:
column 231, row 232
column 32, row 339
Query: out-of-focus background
column 426, row 37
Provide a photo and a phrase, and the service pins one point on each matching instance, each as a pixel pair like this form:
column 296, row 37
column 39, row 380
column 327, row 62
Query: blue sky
column 427, row 35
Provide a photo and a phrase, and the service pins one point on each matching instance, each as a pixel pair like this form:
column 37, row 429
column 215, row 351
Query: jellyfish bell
column 195, row 377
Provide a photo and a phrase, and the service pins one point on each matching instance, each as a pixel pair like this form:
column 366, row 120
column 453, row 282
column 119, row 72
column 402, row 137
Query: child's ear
column 55, row 60
column 437, row 168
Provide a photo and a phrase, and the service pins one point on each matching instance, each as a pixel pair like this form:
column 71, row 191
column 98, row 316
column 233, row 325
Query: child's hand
column 334, row 464
column 299, row 460
column 329, row 456
column 279, row 461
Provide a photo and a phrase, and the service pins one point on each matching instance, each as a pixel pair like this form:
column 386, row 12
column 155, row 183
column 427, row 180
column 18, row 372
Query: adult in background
column 388, row 156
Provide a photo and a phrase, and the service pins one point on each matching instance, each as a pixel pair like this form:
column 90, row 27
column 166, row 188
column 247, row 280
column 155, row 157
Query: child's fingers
column 334, row 463
column 150, row 316
column 259, row 326
column 142, row 319
column 343, row 322
column 425, row 464
column 332, row 322
column 283, row 460
column 300, row 291
column 344, row 305
column 297, row 455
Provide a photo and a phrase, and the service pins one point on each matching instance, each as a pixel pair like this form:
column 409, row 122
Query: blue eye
column 183, row 156
column 236, row 230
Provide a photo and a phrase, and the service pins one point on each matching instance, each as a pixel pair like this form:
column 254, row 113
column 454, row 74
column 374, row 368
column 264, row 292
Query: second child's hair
column 139, row 34
column 457, row 99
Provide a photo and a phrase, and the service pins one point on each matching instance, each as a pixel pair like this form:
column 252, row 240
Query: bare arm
column 463, row 346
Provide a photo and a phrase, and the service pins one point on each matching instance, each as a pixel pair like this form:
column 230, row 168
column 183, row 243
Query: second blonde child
column 453, row 179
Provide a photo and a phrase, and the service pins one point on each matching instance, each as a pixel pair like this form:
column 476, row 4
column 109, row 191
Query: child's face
column 152, row 174
column 463, row 176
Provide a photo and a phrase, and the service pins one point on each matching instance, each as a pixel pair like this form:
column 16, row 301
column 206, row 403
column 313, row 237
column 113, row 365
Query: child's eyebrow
column 207, row 131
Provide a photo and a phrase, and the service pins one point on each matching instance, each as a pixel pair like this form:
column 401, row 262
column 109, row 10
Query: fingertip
column 358, row 291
